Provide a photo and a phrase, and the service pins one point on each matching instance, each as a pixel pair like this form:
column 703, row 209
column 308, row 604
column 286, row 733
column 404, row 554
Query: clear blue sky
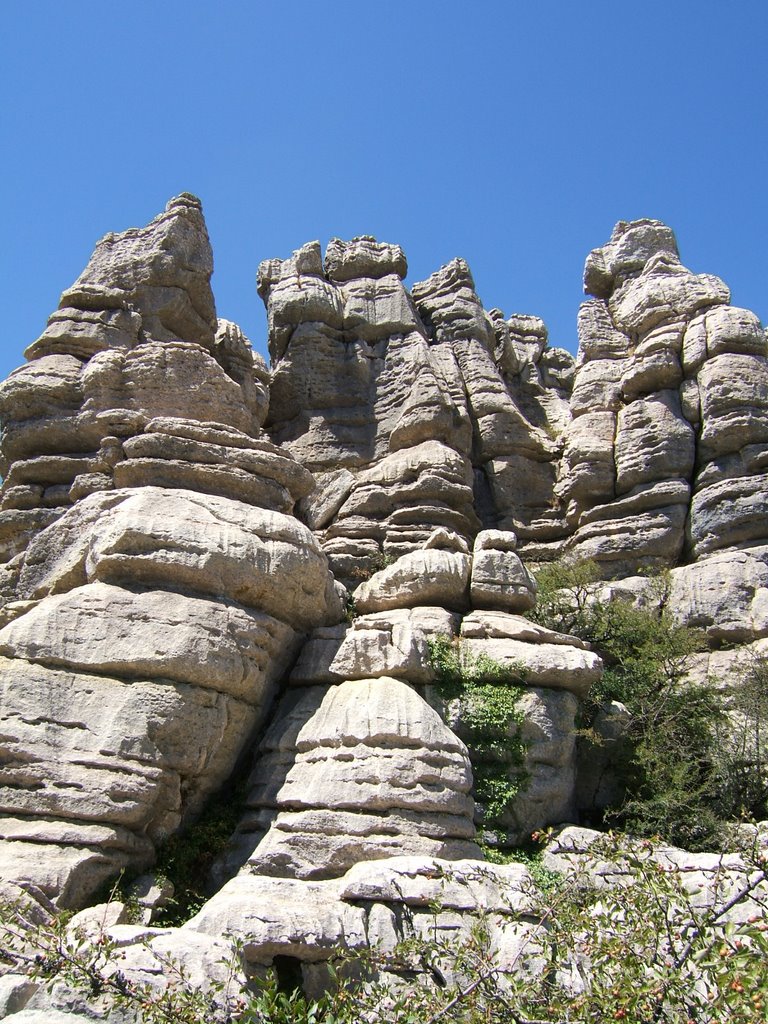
column 513, row 134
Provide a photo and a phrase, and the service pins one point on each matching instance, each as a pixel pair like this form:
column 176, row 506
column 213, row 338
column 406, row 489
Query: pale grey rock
column 557, row 369
column 726, row 594
column 234, row 353
column 728, row 513
column 18, row 527
column 426, row 577
column 162, row 271
column 155, row 537
column 521, row 342
column 734, row 404
column 15, row 992
column 115, row 632
column 724, row 329
column 48, row 1015
column 83, row 332
column 453, row 885
column 356, row 771
column 597, row 386
column 666, row 337
column 205, row 959
column 261, row 465
column 548, row 734
column 690, row 402
column 495, row 540
column 653, row 442
column 429, row 473
column 598, row 336
column 642, row 498
column 647, row 372
column 122, row 390
column 499, row 578
column 377, row 308
column 221, row 480
column 631, row 245
column 96, row 919
column 151, row 893
column 501, row 424
column 550, row 665
column 526, row 510
column 103, row 779
column 709, row 879
column 448, row 304
column 323, row 843
column 649, row 538
column 394, row 643
column 587, row 468
column 48, row 387
column 89, row 483
column 320, row 506
column 664, row 290
column 484, row 624
column 282, row 917
column 446, row 540
column 363, row 257
column 431, row 407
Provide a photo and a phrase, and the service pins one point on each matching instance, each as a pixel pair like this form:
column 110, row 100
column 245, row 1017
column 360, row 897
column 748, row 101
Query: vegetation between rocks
column 482, row 696
column 687, row 765
column 641, row 950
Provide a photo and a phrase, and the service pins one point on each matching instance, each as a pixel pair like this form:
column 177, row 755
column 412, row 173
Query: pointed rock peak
column 631, row 245
column 161, row 271
column 449, row 278
column 304, row 262
column 363, row 257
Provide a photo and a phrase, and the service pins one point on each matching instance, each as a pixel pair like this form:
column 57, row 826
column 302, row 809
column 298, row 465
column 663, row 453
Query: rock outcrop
column 208, row 568
column 157, row 584
column 662, row 460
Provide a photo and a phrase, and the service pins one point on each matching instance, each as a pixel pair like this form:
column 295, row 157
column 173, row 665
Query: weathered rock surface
column 156, row 583
column 684, row 374
column 350, row 772
column 206, row 564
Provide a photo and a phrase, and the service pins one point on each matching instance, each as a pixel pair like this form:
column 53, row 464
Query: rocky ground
column 210, row 568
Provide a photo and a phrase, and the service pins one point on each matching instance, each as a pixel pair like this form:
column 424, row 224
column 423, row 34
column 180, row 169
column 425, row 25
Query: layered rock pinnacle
column 206, row 563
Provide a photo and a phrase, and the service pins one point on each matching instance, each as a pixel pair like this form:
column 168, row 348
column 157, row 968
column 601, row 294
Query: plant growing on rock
column 672, row 762
column 623, row 937
column 482, row 696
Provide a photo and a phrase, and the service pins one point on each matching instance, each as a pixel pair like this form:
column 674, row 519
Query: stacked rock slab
column 167, row 520
column 414, row 410
column 155, row 581
column 664, row 457
column 358, row 765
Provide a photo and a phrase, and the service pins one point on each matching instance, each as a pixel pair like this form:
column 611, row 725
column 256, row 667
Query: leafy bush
column 643, row 950
column 677, row 782
column 485, row 697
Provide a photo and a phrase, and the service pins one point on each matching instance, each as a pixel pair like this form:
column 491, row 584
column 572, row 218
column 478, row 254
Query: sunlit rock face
column 665, row 458
column 416, row 409
column 211, row 571
column 156, row 583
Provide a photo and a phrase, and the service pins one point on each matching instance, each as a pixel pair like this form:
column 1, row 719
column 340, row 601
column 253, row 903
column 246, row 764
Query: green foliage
column 486, row 696
column 672, row 767
column 186, row 858
column 644, row 950
column 743, row 746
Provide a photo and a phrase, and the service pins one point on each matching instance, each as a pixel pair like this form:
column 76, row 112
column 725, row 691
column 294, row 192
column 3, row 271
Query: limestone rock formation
column 209, row 569
column 662, row 460
column 156, row 582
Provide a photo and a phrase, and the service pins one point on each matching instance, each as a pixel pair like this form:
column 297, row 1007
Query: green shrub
column 672, row 769
column 642, row 951
column 486, row 695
